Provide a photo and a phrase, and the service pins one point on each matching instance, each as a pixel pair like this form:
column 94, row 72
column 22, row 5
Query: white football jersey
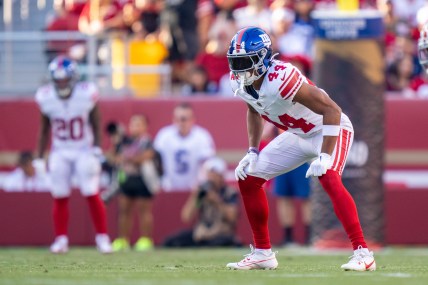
column 69, row 118
column 182, row 156
column 275, row 103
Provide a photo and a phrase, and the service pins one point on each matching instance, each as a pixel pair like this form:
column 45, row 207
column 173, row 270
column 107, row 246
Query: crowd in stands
column 193, row 36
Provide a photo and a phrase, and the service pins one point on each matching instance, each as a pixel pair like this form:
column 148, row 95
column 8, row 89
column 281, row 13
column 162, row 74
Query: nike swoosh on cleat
column 253, row 263
column 369, row 265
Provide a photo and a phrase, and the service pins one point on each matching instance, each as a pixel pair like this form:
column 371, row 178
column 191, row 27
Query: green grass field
column 203, row 266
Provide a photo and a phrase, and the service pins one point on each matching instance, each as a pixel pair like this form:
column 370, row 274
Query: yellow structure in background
column 348, row 5
column 118, row 60
column 136, row 53
column 146, row 52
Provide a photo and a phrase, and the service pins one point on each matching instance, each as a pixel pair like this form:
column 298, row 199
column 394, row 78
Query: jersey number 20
column 68, row 129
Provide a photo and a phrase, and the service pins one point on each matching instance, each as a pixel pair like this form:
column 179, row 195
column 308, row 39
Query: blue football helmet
column 249, row 54
column 423, row 47
column 63, row 73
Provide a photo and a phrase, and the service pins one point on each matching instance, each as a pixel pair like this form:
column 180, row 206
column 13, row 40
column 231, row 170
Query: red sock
column 98, row 213
column 60, row 216
column 257, row 208
column 344, row 207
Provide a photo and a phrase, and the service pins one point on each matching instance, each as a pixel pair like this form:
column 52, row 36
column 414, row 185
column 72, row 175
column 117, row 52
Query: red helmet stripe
column 239, row 38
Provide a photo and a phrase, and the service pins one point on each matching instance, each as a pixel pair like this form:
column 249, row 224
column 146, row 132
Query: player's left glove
column 319, row 166
column 40, row 165
column 249, row 159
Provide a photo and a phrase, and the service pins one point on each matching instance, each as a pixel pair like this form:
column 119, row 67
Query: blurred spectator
column 66, row 19
column 198, row 82
column 205, row 15
column 212, row 57
column 292, row 38
column 136, row 186
column 407, row 9
column 303, row 9
column 215, row 206
column 256, row 13
column 400, row 76
column 180, row 36
column 28, row 176
column 183, row 146
column 142, row 17
column 101, row 16
column 209, row 12
column 422, row 15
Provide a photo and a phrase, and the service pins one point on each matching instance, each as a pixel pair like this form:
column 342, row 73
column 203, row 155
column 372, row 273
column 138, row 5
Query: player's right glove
column 319, row 166
column 249, row 159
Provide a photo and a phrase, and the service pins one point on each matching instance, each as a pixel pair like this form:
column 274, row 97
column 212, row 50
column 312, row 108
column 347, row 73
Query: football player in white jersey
column 315, row 130
column 69, row 110
column 423, row 47
column 183, row 146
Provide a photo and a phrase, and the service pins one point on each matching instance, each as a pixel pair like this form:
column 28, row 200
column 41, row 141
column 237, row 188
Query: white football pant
column 64, row 164
column 288, row 151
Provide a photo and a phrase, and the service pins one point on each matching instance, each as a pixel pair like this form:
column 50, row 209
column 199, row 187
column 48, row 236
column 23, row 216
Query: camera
column 204, row 188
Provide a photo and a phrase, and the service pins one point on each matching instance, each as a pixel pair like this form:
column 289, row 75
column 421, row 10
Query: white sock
column 363, row 250
column 264, row 251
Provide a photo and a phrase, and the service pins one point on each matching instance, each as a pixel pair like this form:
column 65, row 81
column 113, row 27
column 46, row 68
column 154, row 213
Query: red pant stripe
column 341, row 151
column 338, row 143
column 348, row 144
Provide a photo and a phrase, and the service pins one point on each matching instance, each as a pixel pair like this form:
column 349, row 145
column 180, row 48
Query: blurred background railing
column 108, row 61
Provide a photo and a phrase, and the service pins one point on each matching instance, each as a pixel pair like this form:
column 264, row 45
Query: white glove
column 98, row 153
column 249, row 159
column 40, row 165
column 319, row 166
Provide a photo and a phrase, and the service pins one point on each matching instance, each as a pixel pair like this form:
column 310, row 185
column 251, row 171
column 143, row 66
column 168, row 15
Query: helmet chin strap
column 247, row 78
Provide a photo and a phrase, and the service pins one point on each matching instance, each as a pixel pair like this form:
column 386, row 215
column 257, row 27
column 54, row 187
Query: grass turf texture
column 203, row 266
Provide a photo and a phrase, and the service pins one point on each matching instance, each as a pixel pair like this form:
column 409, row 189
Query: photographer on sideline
column 216, row 204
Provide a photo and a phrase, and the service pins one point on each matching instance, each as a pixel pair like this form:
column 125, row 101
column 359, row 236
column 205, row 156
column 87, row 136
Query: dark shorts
column 134, row 187
column 293, row 183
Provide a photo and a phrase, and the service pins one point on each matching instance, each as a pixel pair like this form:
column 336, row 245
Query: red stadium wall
column 25, row 217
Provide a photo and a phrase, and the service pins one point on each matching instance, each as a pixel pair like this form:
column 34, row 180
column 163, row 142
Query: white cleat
column 60, row 244
column 255, row 260
column 362, row 260
column 103, row 243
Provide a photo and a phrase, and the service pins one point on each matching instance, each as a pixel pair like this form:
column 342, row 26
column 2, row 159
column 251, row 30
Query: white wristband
column 331, row 130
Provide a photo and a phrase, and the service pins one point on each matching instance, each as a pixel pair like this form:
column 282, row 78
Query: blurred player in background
column 69, row 108
column 315, row 129
column 183, row 146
